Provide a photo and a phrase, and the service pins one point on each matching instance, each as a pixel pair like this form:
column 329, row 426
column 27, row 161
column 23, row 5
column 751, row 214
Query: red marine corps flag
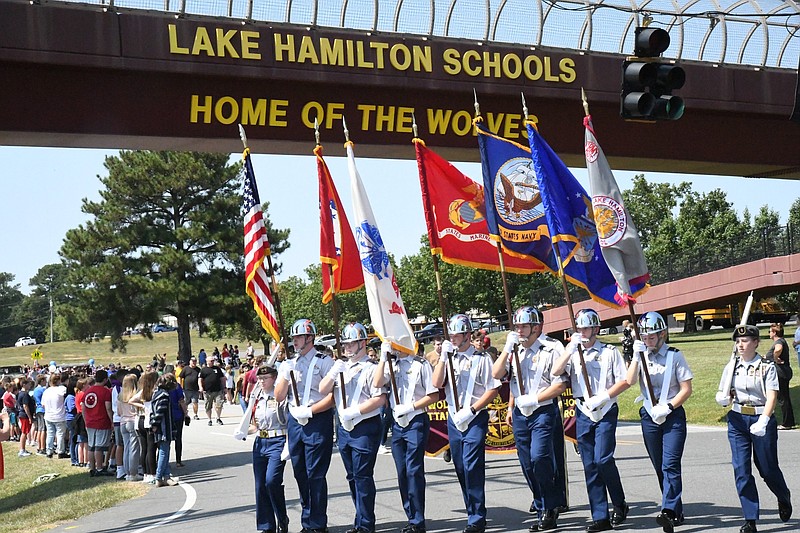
column 619, row 238
column 256, row 250
column 337, row 247
column 455, row 215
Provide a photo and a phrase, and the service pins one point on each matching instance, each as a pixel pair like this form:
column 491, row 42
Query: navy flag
column 514, row 210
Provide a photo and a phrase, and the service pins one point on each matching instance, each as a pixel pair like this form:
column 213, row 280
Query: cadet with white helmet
column 535, row 417
column 751, row 382
column 596, row 417
column 360, row 422
column 411, row 426
column 467, row 426
column 663, row 416
column 310, row 423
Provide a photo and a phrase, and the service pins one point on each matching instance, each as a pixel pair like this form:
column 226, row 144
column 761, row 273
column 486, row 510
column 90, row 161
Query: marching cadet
column 663, row 416
column 467, row 426
column 596, row 417
column 415, row 392
column 310, row 423
column 359, row 409
column 267, row 418
column 752, row 383
column 535, row 415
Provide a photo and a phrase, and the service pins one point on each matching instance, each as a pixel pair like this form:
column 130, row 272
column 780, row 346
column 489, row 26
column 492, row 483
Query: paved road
column 216, row 492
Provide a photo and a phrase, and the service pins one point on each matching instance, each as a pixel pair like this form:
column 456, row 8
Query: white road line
column 191, row 498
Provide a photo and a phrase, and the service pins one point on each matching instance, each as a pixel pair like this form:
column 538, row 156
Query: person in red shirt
column 98, row 416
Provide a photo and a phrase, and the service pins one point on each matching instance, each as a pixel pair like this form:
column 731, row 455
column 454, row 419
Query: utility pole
column 51, row 319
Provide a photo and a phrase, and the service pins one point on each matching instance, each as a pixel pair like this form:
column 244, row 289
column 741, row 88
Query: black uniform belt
column 269, row 433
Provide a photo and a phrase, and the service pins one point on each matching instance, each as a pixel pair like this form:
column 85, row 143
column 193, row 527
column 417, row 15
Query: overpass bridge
column 766, row 277
column 180, row 74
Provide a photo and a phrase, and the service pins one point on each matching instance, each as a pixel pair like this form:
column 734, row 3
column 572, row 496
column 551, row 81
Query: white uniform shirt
column 463, row 363
column 352, row 379
column 407, row 369
column 751, row 380
column 595, row 356
column 268, row 413
column 301, row 364
column 543, row 348
column 657, row 367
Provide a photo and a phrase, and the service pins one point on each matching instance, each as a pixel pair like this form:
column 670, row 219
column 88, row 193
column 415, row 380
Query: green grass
column 707, row 352
column 140, row 350
column 30, row 507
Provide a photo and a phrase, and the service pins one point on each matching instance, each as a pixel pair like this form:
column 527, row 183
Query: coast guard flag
column 337, row 247
column 568, row 210
column 618, row 237
column 514, row 210
column 383, row 295
column 256, row 250
column 455, row 215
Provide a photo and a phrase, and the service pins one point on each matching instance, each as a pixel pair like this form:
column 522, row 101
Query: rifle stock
column 294, row 388
column 728, row 388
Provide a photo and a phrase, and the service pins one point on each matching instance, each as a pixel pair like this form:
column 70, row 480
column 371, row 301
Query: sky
column 43, row 190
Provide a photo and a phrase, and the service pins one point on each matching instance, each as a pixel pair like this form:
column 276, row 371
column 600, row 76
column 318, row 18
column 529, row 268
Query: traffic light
column 648, row 81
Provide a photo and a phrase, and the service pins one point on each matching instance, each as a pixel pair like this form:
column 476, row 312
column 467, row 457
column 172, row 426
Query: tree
column 10, row 298
column 165, row 239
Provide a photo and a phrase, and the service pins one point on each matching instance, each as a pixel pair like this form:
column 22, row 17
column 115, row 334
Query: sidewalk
column 216, row 489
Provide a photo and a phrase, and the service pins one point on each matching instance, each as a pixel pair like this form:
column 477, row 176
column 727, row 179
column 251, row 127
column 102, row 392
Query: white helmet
column 459, row 323
column 353, row 332
column 527, row 315
column 587, row 318
column 651, row 322
column 303, row 326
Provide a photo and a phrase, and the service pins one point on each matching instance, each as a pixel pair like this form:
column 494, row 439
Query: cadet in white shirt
column 467, row 425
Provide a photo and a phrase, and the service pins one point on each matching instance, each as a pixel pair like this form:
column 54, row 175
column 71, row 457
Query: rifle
column 728, row 387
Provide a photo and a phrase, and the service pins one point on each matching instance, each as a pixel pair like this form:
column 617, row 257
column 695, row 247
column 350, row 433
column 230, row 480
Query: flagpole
column 442, row 307
column 334, row 311
column 515, row 349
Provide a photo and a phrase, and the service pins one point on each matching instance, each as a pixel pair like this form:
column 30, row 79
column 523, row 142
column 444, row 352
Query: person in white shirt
column 55, row 416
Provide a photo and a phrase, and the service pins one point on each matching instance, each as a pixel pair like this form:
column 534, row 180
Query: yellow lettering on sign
column 491, row 65
column 466, row 61
column 451, row 63
column 307, row 51
column 380, row 49
column 548, row 76
column 567, row 66
column 361, row 61
column 281, row 47
column 249, row 44
column 331, row 53
column 248, row 111
column 202, row 43
column 224, row 46
column 173, row 41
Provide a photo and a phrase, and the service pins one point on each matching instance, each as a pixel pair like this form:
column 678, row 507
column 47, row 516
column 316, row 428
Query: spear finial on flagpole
column 585, row 102
column 243, row 135
column 316, row 130
column 346, row 131
column 524, row 107
column 414, row 125
column 476, row 104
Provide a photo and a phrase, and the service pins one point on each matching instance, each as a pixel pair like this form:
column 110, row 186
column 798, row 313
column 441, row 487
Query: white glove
column 386, row 349
column 639, row 347
column 301, row 413
column 447, row 347
column 574, row 341
column 350, row 413
column 463, row 417
column 338, row 367
column 723, row 399
column 239, row 435
column 402, row 409
column 527, row 400
column 511, row 340
column 597, row 400
column 759, row 428
column 659, row 411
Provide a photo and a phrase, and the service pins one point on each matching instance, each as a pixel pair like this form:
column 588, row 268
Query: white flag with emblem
column 618, row 236
column 386, row 308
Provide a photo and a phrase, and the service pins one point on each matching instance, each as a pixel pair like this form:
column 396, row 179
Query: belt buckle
column 263, row 433
column 748, row 410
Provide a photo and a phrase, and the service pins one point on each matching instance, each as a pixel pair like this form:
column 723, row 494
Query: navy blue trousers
column 597, row 442
column 408, row 451
column 764, row 453
column 311, row 447
column 664, row 444
column 268, row 475
column 468, row 450
column 535, row 449
column 358, row 450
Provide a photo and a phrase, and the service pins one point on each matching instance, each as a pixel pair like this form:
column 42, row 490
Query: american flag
column 256, row 250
